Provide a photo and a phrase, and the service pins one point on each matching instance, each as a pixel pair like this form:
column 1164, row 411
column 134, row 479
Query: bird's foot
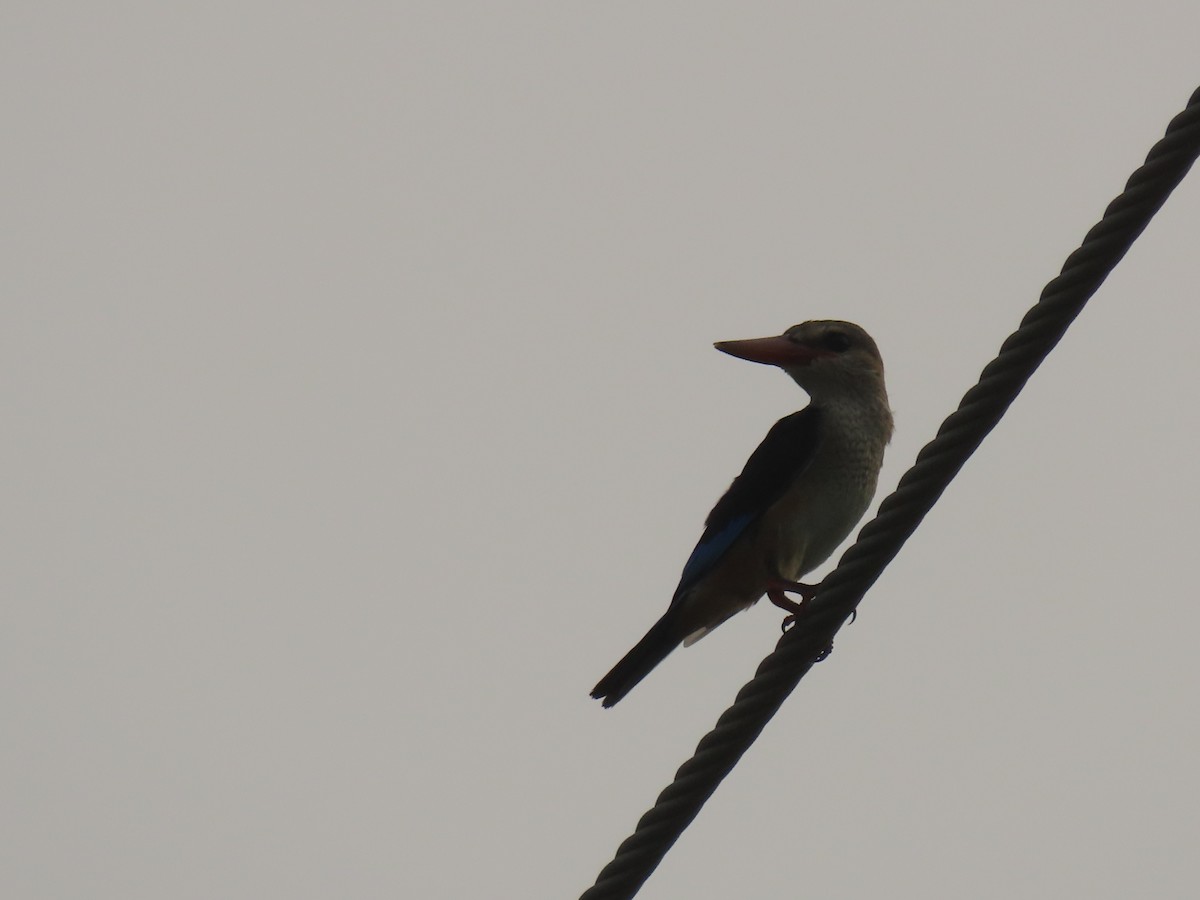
column 777, row 591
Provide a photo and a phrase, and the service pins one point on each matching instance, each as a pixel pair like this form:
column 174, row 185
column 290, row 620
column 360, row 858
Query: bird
column 799, row 495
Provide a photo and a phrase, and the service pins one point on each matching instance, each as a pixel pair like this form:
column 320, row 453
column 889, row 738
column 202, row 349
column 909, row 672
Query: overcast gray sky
column 361, row 411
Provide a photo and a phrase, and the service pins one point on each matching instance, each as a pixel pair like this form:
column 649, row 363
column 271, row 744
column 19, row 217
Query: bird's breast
column 817, row 512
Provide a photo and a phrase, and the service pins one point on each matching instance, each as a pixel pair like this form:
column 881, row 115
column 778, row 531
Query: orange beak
column 772, row 351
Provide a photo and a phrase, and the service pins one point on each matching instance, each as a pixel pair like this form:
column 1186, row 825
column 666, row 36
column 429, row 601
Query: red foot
column 777, row 591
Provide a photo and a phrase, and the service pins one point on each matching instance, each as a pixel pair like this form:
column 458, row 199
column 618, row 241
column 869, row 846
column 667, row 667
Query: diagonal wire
column 900, row 514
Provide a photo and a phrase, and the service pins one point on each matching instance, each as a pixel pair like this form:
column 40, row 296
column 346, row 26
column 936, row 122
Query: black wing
column 782, row 456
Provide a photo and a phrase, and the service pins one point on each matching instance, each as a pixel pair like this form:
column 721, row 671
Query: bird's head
column 827, row 358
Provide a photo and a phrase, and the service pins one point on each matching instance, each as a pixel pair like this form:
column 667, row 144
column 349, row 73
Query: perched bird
column 799, row 495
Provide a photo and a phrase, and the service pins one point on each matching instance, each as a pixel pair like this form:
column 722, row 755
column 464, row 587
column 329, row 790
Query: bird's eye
column 837, row 341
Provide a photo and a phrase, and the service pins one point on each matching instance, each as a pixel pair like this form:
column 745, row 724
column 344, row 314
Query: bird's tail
column 659, row 641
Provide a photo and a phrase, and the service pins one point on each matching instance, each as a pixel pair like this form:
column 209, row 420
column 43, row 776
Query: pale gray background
column 361, row 410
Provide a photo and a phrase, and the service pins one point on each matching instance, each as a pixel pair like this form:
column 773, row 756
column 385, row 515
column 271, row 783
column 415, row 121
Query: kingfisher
column 799, row 495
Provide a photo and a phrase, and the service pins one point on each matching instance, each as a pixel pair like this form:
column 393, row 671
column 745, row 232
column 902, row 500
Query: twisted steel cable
column 900, row 514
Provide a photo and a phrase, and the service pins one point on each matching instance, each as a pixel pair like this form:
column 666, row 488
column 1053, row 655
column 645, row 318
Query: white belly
column 803, row 529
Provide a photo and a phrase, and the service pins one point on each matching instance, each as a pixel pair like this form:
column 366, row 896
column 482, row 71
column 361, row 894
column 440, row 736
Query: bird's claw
column 789, row 622
column 777, row 593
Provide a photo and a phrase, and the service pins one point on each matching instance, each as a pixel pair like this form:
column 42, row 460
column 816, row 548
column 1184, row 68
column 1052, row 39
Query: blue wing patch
column 783, row 455
column 710, row 549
